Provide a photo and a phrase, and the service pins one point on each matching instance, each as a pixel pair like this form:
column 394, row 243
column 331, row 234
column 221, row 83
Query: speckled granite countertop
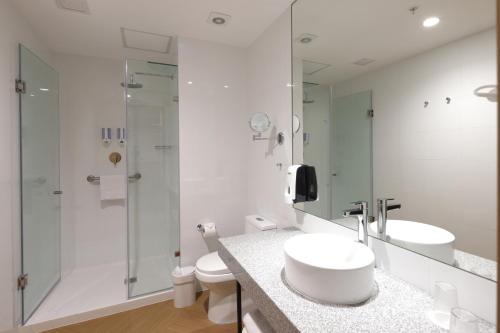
column 257, row 262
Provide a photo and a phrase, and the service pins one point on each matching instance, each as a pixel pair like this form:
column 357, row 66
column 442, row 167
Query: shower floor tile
column 83, row 290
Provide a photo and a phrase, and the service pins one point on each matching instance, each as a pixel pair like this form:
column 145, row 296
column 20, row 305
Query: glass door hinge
column 22, row 281
column 20, row 86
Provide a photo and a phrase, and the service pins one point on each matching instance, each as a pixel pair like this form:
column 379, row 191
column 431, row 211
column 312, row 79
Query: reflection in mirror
column 394, row 105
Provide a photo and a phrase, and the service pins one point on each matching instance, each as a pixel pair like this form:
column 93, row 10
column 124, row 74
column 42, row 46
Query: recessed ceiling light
column 306, row 38
column 190, row 82
column 128, row 95
column 219, row 19
column 226, row 86
column 431, row 22
column 44, row 89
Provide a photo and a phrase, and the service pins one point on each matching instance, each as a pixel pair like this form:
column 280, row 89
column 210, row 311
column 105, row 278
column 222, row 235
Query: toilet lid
column 212, row 264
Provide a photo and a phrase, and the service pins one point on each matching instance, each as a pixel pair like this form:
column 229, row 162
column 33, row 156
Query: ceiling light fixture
column 431, row 22
column 306, row 38
column 219, row 19
column 226, row 86
column 44, row 89
column 190, row 82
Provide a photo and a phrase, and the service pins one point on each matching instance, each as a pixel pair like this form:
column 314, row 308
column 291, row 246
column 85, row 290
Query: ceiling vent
column 79, row 6
column 218, row 19
column 146, row 41
column 311, row 67
column 363, row 61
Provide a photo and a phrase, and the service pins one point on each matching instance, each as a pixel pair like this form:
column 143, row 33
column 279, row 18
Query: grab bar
column 96, row 179
column 162, row 147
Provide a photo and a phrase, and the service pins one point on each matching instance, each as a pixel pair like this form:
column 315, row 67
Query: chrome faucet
column 361, row 212
column 383, row 207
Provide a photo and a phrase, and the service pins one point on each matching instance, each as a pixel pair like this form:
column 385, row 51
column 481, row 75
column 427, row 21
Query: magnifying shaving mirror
column 259, row 122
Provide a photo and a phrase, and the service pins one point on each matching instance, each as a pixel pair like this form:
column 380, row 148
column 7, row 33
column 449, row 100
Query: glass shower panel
column 153, row 151
column 40, row 202
column 352, row 152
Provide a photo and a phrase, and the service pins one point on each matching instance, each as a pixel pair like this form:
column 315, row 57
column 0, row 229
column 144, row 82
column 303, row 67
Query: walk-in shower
column 62, row 273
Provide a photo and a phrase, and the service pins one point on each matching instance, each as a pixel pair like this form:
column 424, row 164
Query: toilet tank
column 256, row 223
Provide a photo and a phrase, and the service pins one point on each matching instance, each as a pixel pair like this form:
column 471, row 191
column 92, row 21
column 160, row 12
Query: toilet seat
column 211, row 269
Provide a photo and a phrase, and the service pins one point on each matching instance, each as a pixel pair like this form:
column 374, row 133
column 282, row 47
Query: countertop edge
column 275, row 317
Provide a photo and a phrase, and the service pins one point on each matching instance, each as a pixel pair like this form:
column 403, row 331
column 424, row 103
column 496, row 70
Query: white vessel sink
column 329, row 268
column 426, row 239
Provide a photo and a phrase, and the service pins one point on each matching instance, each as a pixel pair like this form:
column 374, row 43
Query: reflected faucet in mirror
column 361, row 212
column 382, row 209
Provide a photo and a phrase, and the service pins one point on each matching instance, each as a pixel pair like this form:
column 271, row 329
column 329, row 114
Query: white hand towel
column 113, row 187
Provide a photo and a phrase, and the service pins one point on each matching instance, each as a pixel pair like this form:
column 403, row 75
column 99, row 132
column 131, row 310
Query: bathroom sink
column 329, row 268
column 426, row 239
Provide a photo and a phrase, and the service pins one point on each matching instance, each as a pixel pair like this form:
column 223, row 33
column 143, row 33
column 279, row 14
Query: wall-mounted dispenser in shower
column 121, row 135
column 106, row 135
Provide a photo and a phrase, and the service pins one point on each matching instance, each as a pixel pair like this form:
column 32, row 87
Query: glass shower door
column 152, row 151
column 40, row 202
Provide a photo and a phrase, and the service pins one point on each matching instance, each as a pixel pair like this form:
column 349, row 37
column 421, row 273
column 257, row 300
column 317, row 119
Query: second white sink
column 425, row 239
column 329, row 268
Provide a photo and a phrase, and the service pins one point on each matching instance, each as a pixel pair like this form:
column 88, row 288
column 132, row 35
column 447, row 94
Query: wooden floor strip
column 157, row 318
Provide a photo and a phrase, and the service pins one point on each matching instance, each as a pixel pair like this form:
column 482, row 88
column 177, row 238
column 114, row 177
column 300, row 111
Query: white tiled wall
column 93, row 232
column 439, row 161
column 214, row 141
column 269, row 91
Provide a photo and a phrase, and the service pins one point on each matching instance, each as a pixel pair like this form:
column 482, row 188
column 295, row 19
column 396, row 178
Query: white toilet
column 214, row 275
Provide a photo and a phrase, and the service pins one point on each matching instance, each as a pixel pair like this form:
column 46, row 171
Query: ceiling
column 99, row 34
column 383, row 30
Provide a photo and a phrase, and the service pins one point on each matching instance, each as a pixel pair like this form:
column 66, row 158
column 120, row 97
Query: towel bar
column 95, row 179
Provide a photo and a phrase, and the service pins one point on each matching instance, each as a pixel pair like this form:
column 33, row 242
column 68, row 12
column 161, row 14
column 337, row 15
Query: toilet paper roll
column 209, row 230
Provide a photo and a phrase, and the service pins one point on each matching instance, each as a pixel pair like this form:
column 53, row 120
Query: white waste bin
column 184, row 286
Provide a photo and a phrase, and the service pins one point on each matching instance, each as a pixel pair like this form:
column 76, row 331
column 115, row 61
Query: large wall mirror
column 398, row 100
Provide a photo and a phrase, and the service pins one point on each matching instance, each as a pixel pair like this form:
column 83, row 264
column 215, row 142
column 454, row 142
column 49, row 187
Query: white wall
column 214, row 141
column 93, row 232
column 13, row 30
column 439, row 162
column 269, row 59
column 269, row 91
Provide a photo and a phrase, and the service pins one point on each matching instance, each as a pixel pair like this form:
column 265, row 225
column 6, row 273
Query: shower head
column 132, row 84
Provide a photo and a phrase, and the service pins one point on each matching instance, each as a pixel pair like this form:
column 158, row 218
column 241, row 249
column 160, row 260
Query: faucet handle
column 362, row 204
column 383, row 201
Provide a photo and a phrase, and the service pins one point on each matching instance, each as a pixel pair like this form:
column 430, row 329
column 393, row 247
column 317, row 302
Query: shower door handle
column 57, row 192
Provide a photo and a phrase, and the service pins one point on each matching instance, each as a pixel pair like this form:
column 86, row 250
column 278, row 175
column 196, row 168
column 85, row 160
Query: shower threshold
column 89, row 293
